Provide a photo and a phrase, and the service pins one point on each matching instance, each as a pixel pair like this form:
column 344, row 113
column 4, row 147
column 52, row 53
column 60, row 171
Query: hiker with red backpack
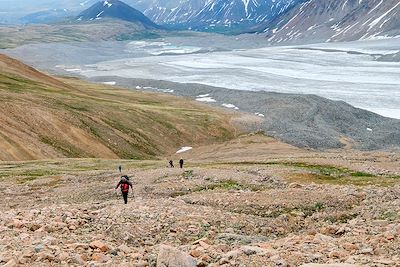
column 124, row 183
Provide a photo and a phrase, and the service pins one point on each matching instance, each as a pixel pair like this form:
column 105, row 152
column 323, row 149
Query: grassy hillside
column 44, row 117
column 12, row 36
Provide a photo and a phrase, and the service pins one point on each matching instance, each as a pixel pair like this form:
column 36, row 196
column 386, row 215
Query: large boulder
column 172, row 257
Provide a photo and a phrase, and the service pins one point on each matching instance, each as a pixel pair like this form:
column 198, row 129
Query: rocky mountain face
column 117, row 10
column 339, row 20
column 284, row 21
column 213, row 14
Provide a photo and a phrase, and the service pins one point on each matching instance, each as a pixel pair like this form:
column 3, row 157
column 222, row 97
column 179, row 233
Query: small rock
column 99, row 257
column 223, row 261
column 222, row 247
column 233, row 254
column 100, row 245
column 367, row 250
column 278, row 261
column 295, row 185
column 206, row 258
column 385, row 262
column 39, row 247
column 322, row 238
column 195, row 253
column 45, row 255
column 389, row 236
column 77, row 259
column 136, row 256
column 204, row 244
column 143, row 263
column 34, row 227
column 63, row 256
column 251, row 250
column 172, row 257
column 80, row 246
column 334, row 254
column 49, row 240
column 17, row 224
column 10, row 263
column 23, row 236
column 350, row 246
column 125, row 249
column 28, row 253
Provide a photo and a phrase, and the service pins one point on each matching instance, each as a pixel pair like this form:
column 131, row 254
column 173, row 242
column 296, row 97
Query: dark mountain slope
column 117, row 10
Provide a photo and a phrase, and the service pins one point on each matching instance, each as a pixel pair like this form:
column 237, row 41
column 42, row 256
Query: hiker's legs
column 125, row 195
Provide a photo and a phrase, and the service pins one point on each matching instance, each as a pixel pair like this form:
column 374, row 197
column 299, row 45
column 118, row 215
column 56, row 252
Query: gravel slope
column 302, row 120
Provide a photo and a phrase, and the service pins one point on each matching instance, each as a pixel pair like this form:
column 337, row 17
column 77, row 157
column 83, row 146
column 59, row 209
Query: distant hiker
column 171, row 164
column 120, row 168
column 181, row 163
column 125, row 184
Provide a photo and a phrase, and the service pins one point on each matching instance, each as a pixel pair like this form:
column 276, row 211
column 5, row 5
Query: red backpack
column 124, row 187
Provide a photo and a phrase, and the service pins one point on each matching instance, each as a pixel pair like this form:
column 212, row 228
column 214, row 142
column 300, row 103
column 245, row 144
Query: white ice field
column 338, row 71
column 327, row 70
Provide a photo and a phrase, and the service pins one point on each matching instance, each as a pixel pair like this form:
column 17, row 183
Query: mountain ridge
column 115, row 9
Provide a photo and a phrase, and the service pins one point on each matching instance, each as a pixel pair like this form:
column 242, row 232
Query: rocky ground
column 275, row 212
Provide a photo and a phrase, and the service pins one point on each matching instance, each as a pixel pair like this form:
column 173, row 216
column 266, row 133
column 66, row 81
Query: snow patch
column 98, row 15
column 259, row 114
column 110, row 83
column 84, row 3
column 230, row 106
column 184, row 149
column 106, row 3
column 205, row 95
column 206, row 99
column 166, row 90
column 73, row 70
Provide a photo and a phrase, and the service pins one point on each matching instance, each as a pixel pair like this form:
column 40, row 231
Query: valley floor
column 250, row 202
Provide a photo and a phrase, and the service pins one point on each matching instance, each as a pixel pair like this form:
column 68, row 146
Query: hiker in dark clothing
column 171, row 164
column 125, row 184
column 120, row 168
column 181, row 163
